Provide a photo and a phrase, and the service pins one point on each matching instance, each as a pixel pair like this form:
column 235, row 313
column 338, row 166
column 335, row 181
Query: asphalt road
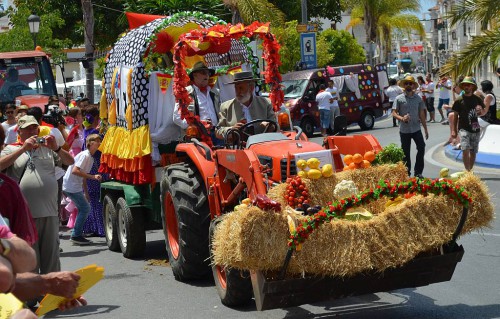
column 146, row 288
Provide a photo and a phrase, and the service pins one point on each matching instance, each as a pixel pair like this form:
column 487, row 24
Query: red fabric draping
column 135, row 20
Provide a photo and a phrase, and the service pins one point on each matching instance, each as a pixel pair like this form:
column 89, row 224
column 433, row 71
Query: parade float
column 272, row 216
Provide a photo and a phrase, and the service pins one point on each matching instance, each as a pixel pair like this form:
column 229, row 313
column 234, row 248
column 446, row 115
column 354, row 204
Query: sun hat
column 243, row 76
column 26, row 121
column 468, row 80
column 408, row 78
column 23, row 107
column 200, row 66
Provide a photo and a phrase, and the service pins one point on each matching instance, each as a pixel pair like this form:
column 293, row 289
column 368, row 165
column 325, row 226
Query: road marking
column 486, row 234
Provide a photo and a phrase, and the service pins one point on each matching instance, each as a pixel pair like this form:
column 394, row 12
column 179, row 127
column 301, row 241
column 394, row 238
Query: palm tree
column 381, row 17
column 247, row 11
column 161, row 7
column 481, row 46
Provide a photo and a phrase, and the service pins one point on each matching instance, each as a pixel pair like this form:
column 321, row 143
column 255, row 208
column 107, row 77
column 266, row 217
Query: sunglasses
column 9, row 112
column 408, row 84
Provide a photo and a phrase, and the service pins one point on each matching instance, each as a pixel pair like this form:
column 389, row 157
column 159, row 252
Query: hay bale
column 255, row 239
column 321, row 190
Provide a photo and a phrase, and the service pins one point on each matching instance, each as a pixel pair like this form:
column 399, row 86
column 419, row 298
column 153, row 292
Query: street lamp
column 34, row 25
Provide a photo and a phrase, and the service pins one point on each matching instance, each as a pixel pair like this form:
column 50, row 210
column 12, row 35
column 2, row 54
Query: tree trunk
column 88, row 31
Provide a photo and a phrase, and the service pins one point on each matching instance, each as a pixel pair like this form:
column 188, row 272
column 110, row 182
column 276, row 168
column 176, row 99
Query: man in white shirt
column 324, row 99
column 444, row 86
column 334, row 106
column 206, row 102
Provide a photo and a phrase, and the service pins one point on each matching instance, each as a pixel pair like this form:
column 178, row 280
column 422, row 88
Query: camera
column 54, row 115
column 40, row 140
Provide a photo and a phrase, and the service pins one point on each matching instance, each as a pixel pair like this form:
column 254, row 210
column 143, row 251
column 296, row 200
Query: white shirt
column 444, row 93
column 11, row 135
column 393, row 91
column 430, row 87
column 323, row 99
column 206, row 105
column 334, row 92
column 6, row 126
column 206, row 108
column 73, row 183
column 60, row 142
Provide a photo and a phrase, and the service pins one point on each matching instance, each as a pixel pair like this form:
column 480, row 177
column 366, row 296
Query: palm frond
column 258, row 10
column 474, row 10
column 354, row 22
column 478, row 49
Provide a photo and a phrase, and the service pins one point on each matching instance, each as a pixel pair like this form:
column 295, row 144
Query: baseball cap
column 26, row 121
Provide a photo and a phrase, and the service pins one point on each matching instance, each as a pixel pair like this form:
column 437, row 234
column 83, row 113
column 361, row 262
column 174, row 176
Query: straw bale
column 321, row 190
column 255, row 239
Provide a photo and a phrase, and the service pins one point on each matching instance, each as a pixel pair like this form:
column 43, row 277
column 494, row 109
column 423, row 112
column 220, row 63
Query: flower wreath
column 215, row 34
column 385, row 188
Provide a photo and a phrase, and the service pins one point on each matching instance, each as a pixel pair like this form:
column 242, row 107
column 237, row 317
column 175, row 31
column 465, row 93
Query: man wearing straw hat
column 468, row 107
column 245, row 107
column 409, row 108
column 206, row 102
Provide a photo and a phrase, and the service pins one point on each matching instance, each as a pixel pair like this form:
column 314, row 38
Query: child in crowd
column 75, row 186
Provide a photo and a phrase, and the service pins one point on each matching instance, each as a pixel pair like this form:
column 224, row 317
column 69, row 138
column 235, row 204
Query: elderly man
column 245, row 107
column 31, row 163
column 409, row 109
column 206, row 102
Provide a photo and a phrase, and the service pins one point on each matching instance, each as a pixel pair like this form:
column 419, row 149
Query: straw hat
column 200, row 66
column 408, row 78
column 468, row 80
column 243, row 76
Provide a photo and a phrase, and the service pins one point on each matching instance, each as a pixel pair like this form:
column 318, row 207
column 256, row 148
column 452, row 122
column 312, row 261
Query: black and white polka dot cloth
column 128, row 52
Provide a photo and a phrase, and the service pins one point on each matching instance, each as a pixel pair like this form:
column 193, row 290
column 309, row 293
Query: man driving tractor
column 11, row 85
column 245, row 107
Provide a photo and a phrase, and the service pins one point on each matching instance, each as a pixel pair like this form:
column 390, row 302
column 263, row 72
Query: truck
column 360, row 88
column 26, row 77
column 189, row 185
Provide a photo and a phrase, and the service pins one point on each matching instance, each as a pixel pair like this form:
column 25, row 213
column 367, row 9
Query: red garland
column 421, row 186
column 220, row 34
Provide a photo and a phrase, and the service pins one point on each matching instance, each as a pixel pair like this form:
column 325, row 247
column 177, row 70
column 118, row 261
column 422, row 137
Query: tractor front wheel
column 234, row 286
column 186, row 220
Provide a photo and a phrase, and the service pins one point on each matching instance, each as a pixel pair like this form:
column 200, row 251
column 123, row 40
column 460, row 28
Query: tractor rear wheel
column 186, row 220
column 234, row 286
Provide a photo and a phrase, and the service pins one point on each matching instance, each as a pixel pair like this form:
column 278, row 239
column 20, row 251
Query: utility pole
column 303, row 4
column 88, row 32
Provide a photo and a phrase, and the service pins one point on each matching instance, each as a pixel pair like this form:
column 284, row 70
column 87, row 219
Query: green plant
column 391, row 154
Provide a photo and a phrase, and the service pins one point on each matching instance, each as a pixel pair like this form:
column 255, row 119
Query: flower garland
column 150, row 59
column 385, row 188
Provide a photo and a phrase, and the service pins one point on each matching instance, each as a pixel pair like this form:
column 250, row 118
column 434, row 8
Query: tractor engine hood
column 279, row 156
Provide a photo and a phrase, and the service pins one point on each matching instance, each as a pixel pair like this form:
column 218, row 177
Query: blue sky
column 426, row 4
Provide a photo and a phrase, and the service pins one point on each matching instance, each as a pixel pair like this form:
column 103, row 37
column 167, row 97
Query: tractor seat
column 265, row 137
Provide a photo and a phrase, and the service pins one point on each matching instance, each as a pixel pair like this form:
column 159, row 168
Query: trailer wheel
column 131, row 233
column 110, row 223
column 367, row 120
column 186, row 220
column 307, row 126
column 234, row 286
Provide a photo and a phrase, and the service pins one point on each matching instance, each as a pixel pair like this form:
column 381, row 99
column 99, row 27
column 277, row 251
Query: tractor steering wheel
column 243, row 129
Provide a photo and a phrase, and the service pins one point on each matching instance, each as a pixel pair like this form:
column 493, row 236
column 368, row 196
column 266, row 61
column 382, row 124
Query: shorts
column 442, row 102
column 324, row 118
column 429, row 103
column 469, row 140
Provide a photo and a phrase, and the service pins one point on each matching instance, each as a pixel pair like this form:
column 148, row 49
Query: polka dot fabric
column 128, row 52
